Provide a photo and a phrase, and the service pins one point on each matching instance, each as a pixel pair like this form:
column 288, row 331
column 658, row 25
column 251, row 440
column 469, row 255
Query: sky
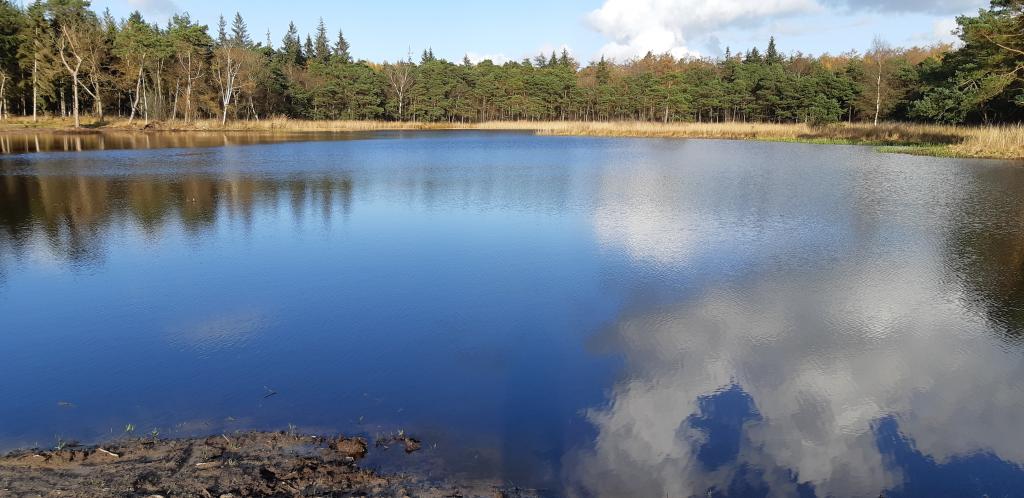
column 589, row 29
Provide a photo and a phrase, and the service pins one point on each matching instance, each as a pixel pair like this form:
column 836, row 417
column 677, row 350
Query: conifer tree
column 222, row 31
column 240, row 32
column 321, row 46
column 772, row 55
column 291, row 45
column 341, row 49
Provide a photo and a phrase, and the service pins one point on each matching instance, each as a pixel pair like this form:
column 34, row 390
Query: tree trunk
column 188, row 101
column 74, row 93
column 138, row 94
column 878, row 94
column 3, row 103
column 35, row 89
column 97, row 98
column 224, row 114
column 145, row 103
column 177, row 91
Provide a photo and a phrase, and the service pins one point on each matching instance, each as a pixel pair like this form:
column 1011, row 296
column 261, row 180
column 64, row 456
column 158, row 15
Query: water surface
column 594, row 317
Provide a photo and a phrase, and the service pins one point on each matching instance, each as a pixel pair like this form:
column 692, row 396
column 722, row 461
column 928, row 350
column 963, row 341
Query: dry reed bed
column 1002, row 142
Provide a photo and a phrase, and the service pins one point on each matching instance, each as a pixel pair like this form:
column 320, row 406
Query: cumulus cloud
column 497, row 58
column 942, row 30
column 801, row 352
column 638, row 26
column 824, row 355
column 634, row 27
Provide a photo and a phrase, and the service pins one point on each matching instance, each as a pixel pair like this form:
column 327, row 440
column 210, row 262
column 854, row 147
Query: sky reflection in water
column 595, row 316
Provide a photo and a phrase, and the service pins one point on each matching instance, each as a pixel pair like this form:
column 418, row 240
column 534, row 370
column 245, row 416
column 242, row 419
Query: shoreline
column 234, row 465
column 995, row 142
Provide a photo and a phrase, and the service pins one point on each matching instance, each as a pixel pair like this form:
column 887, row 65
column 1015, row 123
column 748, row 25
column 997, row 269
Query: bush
column 823, row 111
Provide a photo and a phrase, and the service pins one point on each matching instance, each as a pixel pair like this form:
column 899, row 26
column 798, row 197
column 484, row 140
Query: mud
column 236, row 465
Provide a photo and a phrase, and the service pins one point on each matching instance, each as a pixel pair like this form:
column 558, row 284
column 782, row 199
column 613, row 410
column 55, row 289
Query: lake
column 587, row 316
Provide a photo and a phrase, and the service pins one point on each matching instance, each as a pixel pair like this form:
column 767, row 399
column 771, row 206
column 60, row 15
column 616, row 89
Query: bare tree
column 96, row 50
column 134, row 46
column 401, row 79
column 137, row 95
column 69, row 48
column 880, row 53
column 253, row 71
column 227, row 64
column 192, row 67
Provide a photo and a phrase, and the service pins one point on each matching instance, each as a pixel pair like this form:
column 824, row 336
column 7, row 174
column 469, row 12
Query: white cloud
column 498, row 58
column 679, row 27
column 824, row 355
column 161, row 7
column 638, row 26
column 942, row 30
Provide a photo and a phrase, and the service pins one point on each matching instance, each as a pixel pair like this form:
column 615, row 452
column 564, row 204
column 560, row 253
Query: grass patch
column 997, row 142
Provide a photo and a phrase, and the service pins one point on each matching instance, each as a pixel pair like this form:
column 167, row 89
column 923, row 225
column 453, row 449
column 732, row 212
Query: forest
column 61, row 58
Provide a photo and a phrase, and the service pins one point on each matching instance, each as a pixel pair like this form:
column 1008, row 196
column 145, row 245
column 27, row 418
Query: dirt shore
column 248, row 464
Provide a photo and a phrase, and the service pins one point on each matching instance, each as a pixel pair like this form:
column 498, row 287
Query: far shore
column 992, row 142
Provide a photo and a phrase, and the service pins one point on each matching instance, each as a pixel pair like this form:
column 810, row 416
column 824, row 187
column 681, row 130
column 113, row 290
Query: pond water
column 589, row 316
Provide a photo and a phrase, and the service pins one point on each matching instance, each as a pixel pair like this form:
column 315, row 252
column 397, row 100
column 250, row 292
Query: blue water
column 589, row 316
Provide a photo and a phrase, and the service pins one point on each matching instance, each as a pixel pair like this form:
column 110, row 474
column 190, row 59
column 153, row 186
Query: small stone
column 350, row 447
column 412, row 444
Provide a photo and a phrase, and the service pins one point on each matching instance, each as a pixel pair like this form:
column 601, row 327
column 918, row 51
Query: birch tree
column 96, row 52
column 133, row 46
column 227, row 62
column 192, row 47
column 75, row 23
column 400, row 78
column 879, row 55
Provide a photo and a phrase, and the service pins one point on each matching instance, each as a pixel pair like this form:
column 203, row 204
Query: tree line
column 60, row 58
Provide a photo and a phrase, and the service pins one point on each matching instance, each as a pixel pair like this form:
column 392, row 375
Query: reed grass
column 999, row 142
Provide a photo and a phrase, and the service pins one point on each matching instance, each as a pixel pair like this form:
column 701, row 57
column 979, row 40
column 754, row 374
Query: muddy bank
column 235, row 465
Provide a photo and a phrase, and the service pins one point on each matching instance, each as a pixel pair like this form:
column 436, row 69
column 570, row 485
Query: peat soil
column 250, row 464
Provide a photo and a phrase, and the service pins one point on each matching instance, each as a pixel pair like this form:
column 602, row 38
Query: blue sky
column 381, row 30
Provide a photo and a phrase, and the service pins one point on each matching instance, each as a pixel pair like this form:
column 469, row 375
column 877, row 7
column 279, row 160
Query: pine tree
column 341, row 48
column 222, row 31
column 753, row 56
column 428, row 56
column 772, row 55
column 603, row 74
column 240, row 32
column 290, row 44
column 307, row 52
column 566, row 59
column 321, row 47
